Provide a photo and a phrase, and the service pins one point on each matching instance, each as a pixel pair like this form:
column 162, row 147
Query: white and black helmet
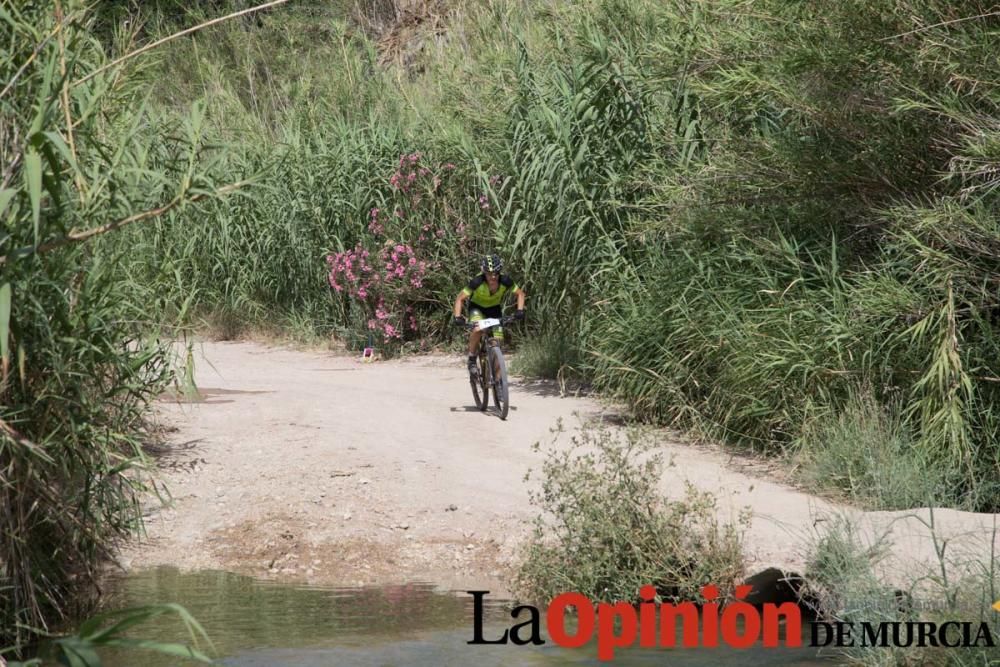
column 492, row 263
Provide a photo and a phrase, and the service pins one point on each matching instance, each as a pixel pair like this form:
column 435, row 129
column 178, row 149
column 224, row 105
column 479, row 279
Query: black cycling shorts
column 481, row 312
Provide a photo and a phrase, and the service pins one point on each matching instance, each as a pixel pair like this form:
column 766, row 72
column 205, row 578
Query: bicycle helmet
column 492, row 263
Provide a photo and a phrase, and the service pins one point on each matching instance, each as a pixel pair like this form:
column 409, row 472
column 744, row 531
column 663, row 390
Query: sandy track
column 309, row 466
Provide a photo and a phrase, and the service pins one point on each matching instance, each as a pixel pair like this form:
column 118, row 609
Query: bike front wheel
column 501, row 390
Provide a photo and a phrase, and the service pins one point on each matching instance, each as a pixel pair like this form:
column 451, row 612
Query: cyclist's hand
column 458, row 321
column 519, row 314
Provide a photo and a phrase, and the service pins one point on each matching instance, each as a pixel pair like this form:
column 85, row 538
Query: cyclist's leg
column 475, row 314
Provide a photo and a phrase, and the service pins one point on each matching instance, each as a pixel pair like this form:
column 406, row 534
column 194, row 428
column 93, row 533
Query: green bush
column 605, row 530
column 552, row 356
column 866, row 452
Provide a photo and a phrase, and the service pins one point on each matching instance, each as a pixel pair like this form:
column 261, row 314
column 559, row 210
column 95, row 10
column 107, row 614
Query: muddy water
column 254, row 623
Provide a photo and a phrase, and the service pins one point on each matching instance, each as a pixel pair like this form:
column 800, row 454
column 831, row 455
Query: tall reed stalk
column 81, row 157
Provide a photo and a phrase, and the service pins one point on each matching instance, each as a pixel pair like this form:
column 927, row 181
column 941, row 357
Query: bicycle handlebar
column 504, row 320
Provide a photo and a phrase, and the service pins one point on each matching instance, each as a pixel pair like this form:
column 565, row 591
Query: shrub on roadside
column 605, row 529
column 550, row 356
column 867, row 453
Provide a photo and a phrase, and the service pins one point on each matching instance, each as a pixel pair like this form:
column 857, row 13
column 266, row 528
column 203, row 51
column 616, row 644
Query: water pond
column 255, row 623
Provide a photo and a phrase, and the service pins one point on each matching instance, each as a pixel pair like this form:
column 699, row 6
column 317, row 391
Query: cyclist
column 485, row 293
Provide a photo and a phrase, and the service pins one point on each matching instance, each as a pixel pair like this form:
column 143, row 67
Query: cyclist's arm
column 515, row 290
column 519, row 293
column 459, row 300
column 465, row 294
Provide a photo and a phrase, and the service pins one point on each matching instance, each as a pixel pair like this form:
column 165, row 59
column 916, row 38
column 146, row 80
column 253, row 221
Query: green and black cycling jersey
column 479, row 292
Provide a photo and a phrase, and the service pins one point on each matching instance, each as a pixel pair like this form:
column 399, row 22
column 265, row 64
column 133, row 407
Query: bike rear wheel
column 501, row 390
column 480, row 388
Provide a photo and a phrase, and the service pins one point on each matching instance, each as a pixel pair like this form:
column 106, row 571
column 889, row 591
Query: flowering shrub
column 374, row 226
column 351, row 272
column 413, row 249
column 386, row 287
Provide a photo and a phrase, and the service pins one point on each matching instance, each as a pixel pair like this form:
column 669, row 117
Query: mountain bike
column 492, row 375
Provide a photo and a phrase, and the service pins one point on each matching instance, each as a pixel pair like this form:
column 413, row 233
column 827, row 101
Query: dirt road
column 309, row 466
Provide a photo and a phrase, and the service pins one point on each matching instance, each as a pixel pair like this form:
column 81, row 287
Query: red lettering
column 555, row 620
column 647, row 617
column 607, row 640
column 731, row 633
column 668, row 624
column 710, row 617
column 793, row 624
column 741, row 624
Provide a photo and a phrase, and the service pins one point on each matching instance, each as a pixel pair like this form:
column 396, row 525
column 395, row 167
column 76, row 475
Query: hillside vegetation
column 773, row 224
